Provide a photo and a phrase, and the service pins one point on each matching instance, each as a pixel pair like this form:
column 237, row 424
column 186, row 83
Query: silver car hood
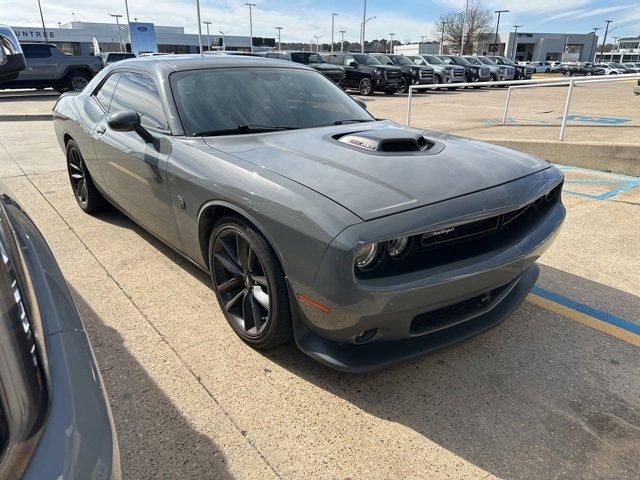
column 372, row 185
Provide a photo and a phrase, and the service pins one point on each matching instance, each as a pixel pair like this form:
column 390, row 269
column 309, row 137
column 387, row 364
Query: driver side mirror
column 353, row 64
column 128, row 121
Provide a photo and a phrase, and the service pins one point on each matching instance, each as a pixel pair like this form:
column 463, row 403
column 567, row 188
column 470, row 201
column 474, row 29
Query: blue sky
column 302, row 19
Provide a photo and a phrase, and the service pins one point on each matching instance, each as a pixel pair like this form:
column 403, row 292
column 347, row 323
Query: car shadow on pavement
column 155, row 439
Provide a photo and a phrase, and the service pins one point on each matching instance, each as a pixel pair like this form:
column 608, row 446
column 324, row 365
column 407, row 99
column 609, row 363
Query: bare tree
column 457, row 25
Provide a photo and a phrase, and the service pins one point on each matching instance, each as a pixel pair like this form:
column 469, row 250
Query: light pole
column 250, row 5
column 126, row 9
column 615, row 47
column 391, row 47
column 224, row 43
column 317, row 37
column 333, row 16
column 199, row 28
column 442, row 37
column 342, row 32
column 362, row 29
column 207, row 23
column 279, row 31
column 364, row 24
column 515, row 41
column 594, row 44
column 464, row 27
column 44, row 29
column 495, row 40
column 117, row 17
column 604, row 40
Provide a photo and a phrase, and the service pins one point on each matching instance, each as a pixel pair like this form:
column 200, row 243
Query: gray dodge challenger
column 365, row 241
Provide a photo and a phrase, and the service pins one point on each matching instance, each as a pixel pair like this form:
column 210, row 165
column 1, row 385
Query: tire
column 89, row 199
column 548, row 70
column 588, row 74
column 493, row 78
column 243, row 284
column 365, row 87
column 76, row 80
column 403, row 86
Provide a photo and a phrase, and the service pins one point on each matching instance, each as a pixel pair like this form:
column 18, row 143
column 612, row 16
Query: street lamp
column 126, row 9
column 250, row 5
column 44, row 29
column 207, row 23
column 199, row 28
column 391, row 47
column 464, row 27
column 117, row 17
column 224, row 43
column 317, row 37
column 333, row 16
column 495, row 40
column 364, row 23
column 515, row 42
column 362, row 30
column 279, row 31
column 592, row 57
column 604, row 40
column 442, row 37
column 342, row 41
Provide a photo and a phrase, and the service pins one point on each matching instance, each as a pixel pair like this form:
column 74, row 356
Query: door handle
column 101, row 129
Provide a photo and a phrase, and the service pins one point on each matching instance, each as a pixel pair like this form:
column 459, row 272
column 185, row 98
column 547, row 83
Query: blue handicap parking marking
column 619, row 183
column 599, row 120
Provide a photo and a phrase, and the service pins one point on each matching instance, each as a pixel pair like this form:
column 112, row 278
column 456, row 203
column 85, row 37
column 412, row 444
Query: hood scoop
column 387, row 140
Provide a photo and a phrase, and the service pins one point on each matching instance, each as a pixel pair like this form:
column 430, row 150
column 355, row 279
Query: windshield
column 486, row 61
column 225, row 99
column 366, row 60
column 434, row 60
column 459, row 61
column 383, row 59
column 473, row 60
column 306, row 57
column 400, row 60
column 506, row 61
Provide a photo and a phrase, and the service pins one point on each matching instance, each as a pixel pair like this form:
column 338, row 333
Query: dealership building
column 77, row 38
column 626, row 50
column 540, row 47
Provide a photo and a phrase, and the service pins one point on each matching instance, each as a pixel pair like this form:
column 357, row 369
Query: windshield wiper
column 241, row 129
column 351, row 120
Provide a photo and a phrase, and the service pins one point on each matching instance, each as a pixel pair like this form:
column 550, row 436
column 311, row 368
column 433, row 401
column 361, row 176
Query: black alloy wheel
column 249, row 284
column 85, row 192
column 365, row 87
column 403, row 86
column 436, row 80
column 76, row 81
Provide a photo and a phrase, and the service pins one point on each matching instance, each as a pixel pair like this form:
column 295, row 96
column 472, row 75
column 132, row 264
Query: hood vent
column 386, row 140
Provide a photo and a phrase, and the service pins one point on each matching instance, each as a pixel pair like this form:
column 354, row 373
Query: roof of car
column 166, row 64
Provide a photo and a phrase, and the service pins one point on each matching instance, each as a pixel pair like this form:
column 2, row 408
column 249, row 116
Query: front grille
column 392, row 75
column 458, row 73
column 484, row 72
column 426, row 74
column 453, row 243
column 450, row 315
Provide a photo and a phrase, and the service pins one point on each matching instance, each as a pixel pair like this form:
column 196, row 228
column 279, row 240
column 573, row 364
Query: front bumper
column 390, row 306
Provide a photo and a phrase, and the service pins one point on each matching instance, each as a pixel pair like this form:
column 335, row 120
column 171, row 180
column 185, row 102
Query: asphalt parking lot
column 553, row 392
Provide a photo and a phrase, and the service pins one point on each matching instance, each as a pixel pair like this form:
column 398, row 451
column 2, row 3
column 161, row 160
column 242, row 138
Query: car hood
column 326, row 67
column 374, row 184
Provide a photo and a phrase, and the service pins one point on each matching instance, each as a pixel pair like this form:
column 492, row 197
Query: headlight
column 502, row 69
column 448, row 70
column 398, row 247
column 368, row 256
column 378, row 72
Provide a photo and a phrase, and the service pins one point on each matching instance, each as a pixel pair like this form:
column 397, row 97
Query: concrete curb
column 616, row 158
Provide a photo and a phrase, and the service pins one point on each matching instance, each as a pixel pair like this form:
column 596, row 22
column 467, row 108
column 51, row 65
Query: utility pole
column 342, row 41
column 44, row 29
column 317, row 37
column 118, row 27
column 391, row 46
column 566, row 45
column 250, row 5
column 364, row 25
column 495, row 39
column 279, row 31
column 604, row 41
column 442, row 38
column 464, row 27
column 199, row 28
column 126, row 8
column 515, row 41
column 594, row 44
column 207, row 23
column 333, row 16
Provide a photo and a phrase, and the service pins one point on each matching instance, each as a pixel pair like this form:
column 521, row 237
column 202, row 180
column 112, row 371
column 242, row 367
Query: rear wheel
column 249, row 284
column 76, row 80
column 85, row 192
column 365, row 87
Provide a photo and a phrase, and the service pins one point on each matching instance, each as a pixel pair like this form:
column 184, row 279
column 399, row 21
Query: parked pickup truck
column 335, row 73
column 412, row 74
column 578, row 69
column 48, row 66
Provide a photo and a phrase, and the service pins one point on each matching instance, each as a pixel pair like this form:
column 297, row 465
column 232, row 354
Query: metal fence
column 521, row 84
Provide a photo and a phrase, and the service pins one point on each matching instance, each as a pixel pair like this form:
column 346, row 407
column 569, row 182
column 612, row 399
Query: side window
column 418, row 61
column 137, row 91
column 348, row 60
column 106, row 91
column 271, row 55
column 36, row 51
column 337, row 60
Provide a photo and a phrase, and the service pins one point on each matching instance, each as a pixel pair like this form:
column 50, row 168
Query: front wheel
column 85, row 192
column 76, row 80
column 588, row 74
column 365, row 87
column 403, row 86
column 249, row 284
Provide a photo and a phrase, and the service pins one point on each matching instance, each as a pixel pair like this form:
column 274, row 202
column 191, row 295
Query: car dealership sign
column 25, row 34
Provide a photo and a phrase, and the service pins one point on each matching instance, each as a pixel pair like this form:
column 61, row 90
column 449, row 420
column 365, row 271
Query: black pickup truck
column 48, row 66
column 473, row 73
column 412, row 74
column 522, row 71
column 334, row 73
column 365, row 73
column 581, row 69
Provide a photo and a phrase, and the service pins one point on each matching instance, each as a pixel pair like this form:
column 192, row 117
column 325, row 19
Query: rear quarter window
column 105, row 93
